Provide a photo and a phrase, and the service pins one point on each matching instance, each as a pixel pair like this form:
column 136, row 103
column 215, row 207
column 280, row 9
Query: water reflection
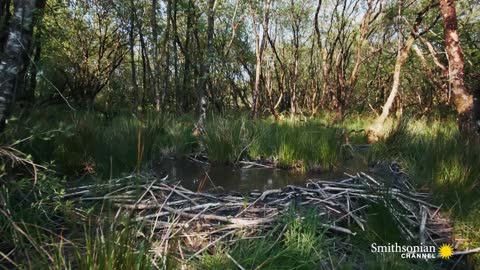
column 198, row 176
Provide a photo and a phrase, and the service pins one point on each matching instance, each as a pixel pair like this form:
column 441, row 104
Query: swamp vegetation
column 238, row 134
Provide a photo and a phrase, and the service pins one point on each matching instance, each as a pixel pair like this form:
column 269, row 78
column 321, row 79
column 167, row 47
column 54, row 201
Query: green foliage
column 88, row 142
column 26, row 210
column 289, row 143
column 379, row 227
column 300, row 243
column 218, row 260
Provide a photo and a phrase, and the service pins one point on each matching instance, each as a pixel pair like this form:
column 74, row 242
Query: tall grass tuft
column 442, row 161
column 112, row 247
column 226, row 139
column 306, row 145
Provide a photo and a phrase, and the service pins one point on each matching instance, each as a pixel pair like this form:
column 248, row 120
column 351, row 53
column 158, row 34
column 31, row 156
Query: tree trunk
column 364, row 32
column 166, row 53
column 147, row 75
column 36, row 51
column 462, row 99
column 156, row 67
column 178, row 98
column 186, row 68
column 15, row 59
column 260, row 46
column 296, row 58
column 5, row 16
column 132, row 56
column 402, row 56
column 205, row 83
column 428, row 71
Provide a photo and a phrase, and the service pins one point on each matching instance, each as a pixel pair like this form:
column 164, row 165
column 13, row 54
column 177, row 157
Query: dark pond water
column 198, row 176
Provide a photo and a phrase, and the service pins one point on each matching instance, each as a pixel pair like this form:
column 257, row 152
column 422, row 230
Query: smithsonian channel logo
column 445, row 251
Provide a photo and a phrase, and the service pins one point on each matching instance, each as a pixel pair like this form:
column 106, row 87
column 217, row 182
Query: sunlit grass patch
column 467, row 231
column 302, row 237
column 217, row 260
column 438, row 158
column 93, row 143
column 288, row 143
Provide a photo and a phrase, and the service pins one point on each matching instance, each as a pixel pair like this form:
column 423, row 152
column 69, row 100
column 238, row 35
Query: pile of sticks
column 342, row 206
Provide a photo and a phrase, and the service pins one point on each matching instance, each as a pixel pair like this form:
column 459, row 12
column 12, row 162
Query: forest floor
column 44, row 227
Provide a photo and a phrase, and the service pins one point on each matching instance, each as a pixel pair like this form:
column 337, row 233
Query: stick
column 235, row 262
column 339, row 229
column 236, row 221
column 468, row 251
column 423, row 222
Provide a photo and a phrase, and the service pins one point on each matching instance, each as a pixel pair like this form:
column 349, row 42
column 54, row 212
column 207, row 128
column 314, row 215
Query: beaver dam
column 199, row 221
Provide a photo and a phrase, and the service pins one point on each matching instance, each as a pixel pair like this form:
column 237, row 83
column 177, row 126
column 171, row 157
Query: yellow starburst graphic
column 445, row 251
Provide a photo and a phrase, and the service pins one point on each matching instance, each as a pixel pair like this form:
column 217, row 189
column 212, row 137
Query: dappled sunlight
column 239, row 135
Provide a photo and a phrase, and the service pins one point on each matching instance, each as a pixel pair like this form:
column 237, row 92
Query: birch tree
column 14, row 58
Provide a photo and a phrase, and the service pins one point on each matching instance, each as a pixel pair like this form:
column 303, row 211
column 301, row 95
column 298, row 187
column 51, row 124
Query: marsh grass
column 432, row 152
column 297, row 243
column 81, row 143
column 89, row 143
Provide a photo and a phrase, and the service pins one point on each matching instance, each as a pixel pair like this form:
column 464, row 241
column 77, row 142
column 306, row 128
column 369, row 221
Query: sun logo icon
column 445, row 251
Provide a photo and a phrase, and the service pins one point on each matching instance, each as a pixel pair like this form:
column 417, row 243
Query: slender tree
column 166, row 52
column 188, row 54
column 156, row 68
column 5, row 16
column 260, row 45
column 462, row 98
column 376, row 128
